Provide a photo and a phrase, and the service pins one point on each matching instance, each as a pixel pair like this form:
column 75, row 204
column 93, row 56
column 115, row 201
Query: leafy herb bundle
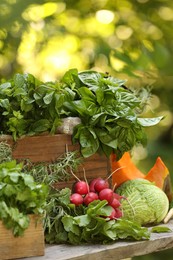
column 53, row 172
column 27, row 188
column 109, row 111
column 5, row 152
column 29, row 106
column 20, row 196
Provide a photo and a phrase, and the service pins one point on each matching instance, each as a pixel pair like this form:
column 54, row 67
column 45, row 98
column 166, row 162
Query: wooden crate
column 30, row 244
column 47, row 148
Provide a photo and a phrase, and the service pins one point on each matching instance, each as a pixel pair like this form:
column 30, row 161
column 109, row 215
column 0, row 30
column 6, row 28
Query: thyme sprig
column 57, row 171
column 5, row 152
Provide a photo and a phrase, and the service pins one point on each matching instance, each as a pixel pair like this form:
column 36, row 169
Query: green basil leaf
column 90, row 78
column 149, row 121
column 97, row 118
column 107, row 150
column 68, row 77
column 86, row 94
column 100, row 94
column 89, row 151
column 41, row 125
column 123, row 122
column 113, row 83
column 106, row 138
column 130, row 138
column 85, row 138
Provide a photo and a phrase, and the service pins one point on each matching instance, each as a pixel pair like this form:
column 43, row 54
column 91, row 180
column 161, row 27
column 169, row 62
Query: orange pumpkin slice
column 127, row 171
column 158, row 173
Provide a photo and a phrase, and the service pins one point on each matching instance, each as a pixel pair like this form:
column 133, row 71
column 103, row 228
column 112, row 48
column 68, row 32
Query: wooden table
column 116, row 251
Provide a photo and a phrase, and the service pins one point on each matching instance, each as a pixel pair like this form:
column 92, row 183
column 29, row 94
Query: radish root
column 75, row 175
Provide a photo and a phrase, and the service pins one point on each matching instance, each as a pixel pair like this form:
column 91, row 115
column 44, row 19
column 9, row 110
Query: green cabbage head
column 145, row 203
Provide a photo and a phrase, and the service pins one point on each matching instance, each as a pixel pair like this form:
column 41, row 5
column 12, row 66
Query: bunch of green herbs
column 20, row 196
column 25, row 187
column 29, row 106
column 24, row 190
column 52, row 173
column 5, row 152
column 109, row 111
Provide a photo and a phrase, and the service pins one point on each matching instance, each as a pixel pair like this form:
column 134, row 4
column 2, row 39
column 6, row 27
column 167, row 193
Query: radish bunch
column 97, row 189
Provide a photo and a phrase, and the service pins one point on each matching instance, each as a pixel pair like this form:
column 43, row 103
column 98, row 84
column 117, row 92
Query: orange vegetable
column 129, row 171
column 158, row 173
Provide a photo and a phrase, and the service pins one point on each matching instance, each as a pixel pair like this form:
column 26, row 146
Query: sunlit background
column 131, row 40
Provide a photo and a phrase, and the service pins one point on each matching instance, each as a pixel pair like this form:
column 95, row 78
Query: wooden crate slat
column 47, row 148
column 31, row 244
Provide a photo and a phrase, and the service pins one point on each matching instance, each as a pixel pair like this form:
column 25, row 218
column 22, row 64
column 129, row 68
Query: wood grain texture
column 31, row 244
column 116, row 251
column 47, row 148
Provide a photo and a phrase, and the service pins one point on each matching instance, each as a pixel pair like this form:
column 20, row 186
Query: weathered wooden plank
column 30, row 244
column 116, row 251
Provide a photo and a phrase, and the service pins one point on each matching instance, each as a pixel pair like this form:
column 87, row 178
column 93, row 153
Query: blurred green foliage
column 165, row 254
column 129, row 39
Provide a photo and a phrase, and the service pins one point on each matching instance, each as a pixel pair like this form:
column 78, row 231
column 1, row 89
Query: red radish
column 118, row 214
column 117, row 196
column 92, row 184
column 113, row 214
column 106, row 194
column 81, row 187
column 115, row 203
column 76, row 199
column 91, row 196
column 100, row 185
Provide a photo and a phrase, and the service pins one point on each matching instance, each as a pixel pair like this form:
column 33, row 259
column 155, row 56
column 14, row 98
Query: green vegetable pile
column 24, row 191
column 109, row 112
column 66, row 223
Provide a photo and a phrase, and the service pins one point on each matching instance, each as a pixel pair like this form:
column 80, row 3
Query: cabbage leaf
column 145, row 203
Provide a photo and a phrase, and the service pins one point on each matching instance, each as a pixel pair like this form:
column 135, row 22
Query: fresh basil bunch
column 109, row 112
